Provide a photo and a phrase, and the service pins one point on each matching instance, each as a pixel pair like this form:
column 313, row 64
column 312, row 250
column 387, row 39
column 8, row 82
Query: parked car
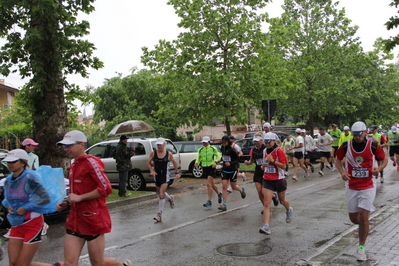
column 280, row 134
column 188, row 153
column 139, row 175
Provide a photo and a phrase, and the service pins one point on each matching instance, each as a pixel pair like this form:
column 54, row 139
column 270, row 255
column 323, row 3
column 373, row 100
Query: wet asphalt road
column 193, row 235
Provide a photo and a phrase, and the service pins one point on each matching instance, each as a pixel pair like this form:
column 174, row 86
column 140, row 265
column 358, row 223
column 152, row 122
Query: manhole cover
column 244, row 249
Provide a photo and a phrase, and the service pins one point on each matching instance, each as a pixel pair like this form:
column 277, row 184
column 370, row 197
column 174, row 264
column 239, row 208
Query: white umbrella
column 131, row 126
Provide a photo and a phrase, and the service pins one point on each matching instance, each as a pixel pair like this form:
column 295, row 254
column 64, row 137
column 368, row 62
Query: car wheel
column 3, row 218
column 197, row 171
column 136, row 181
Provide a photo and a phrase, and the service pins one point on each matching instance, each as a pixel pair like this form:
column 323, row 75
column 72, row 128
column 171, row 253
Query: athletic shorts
column 258, row 177
column 231, row 176
column 160, row 180
column 275, row 185
column 208, row 171
column 393, row 150
column 308, row 155
column 325, row 154
column 85, row 237
column 298, row 155
column 289, row 155
column 335, row 148
column 30, row 231
column 356, row 199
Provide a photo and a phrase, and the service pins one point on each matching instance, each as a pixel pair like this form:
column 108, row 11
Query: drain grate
column 244, row 249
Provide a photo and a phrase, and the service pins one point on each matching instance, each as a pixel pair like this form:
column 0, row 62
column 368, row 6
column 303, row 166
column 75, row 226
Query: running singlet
column 161, row 165
column 272, row 172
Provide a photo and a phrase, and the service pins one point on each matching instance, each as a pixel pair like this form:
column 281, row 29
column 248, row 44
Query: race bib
column 270, row 169
column 226, row 158
column 360, row 172
column 259, row 161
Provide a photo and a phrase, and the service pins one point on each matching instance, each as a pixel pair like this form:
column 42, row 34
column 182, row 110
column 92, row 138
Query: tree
column 210, row 68
column 46, row 48
column 320, row 49
column 392, row 23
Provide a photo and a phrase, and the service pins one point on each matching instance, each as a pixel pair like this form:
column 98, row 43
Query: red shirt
column 272, row 172
column 89, row 217
column 360, row 162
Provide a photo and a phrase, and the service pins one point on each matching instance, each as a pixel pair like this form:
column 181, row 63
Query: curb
column 124, row 202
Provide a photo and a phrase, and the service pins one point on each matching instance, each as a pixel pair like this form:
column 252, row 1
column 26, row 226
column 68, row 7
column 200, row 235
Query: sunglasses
column 70, row 145
column 13, row 162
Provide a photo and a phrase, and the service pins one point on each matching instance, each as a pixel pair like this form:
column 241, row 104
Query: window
column 98, row 151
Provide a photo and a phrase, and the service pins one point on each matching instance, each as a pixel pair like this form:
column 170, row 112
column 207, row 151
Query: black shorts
column 335, row 148
column 393, row 150
column 298, row 155
column 326, row 154
column 208, row 171
column 85, row 237
column 232, row 177
column 275, row 185
column 258, row 177
column 308, row 155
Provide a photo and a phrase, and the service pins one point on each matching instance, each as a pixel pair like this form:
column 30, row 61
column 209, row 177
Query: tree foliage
column 392, row 23
column 211, row 68
column 43, row 43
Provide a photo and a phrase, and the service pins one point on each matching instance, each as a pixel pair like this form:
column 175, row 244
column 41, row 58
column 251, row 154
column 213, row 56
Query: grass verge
column 132, row 194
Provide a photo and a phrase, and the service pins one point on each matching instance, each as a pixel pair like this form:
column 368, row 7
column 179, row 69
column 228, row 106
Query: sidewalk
column 382, row 245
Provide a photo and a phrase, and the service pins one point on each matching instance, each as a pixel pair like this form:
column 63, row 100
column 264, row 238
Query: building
column 7, row 95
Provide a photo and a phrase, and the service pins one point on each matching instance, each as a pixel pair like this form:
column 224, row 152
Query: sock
column 167, row 196
column 321, row 166
column 224, row 203
column 161, row 205
column 266, row 225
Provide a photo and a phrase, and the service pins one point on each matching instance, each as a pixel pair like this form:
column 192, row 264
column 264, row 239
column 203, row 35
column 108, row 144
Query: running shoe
column 244, row 177
column 312, row 168
column 321, row 173
column 328, row 166
column 44, row 229
column 265, row 230
column 307, row 174
column 289, row 215
column 172, row 202
column 361, row 254
column 397, row 168
column 295, row 177
column 243, row 194
column 229, row 189
column 220, row 197
column 275, row 199
column 333, row 168
column 158, row 217
column 222, row 207
column 7, row 235
column 127, row 263
column 394, row 163
column 58, row 263
column 382, row 179
column 286, row 174
column 208, row 204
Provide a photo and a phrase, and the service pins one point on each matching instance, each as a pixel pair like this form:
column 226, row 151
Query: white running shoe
column 229, row 189
column 321, row 173
column 44, row 229
column 7, row 235
column 361, row 254
column 295, row 177
column 244, row 177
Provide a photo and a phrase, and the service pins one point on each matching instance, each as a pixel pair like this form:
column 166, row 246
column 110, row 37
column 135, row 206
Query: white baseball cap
column 346, row 128
column 72, row 137
column 267, row 125
column 358, row 128
column 394, row 129
column 303, row 130
column 206, row 139
column 257, row 138
column 298, row 130
column 15, row 155
column 160, row 141
column 269, row 136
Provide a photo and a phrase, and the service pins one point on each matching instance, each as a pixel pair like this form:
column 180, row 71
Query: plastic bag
column 52, row 180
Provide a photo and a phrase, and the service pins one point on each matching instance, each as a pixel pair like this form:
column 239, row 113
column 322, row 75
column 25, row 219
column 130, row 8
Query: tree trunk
column 228, row 129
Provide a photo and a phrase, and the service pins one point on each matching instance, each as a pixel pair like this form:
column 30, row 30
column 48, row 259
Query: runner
column 373, row 131
column 207, row 157
column 273, row 181
column 324, row 145
column 286, row 146
column 360, row 167
column 345, row 136
column 309, row 147
column 298, row 154
column 256, row 156
column 160, row 171
column 229, row 171
column 335, row 133
column 393, row 142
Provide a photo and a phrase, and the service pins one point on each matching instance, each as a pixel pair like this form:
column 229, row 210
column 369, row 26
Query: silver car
column 140, row 175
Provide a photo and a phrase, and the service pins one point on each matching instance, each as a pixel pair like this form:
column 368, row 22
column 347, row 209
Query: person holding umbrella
column 123, row 163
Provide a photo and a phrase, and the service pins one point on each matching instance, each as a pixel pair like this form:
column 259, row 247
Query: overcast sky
column 119, row 29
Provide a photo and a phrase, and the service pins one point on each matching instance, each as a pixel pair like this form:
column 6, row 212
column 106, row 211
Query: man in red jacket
column 360, row 157
column 89, row 218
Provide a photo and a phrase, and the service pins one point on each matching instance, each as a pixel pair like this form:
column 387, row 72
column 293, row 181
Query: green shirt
column 335, row 134
column 393, row 139
column 344, row 138
column 207, row 156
